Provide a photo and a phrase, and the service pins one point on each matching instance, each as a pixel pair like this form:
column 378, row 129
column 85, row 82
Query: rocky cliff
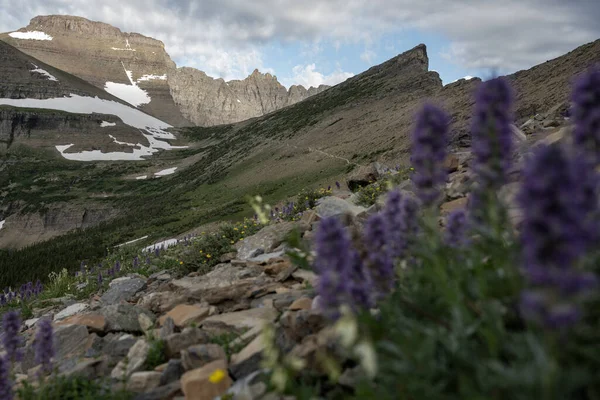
column 130, row 66
column 137, row 69
column 207, row 101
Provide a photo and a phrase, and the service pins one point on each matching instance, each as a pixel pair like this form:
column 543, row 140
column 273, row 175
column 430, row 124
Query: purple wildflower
column 6, row 391
column 118, row 266
column 429, row 142
column 136, row 262
column 456, row 229
column 2, row 299
column 379, row 259
column 44, row 345
column 400, row 214
column 341, row 275
column 558, row 197
column 491, row 134
column 11, row 322
column 100, row 278
column 338, row 185
column 586, row 113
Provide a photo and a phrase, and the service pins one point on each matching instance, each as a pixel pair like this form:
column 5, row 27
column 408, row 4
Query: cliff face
column 207, row 101
column 130, row 66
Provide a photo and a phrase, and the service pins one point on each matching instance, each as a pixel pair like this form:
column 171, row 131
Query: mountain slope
column 137, row 69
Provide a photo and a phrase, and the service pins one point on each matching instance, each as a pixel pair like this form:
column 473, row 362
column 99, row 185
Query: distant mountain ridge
column 137, row 69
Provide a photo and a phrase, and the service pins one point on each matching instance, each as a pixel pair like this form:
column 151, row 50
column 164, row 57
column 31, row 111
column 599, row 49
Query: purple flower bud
column 379, row 259
column 2, row 299
column 559, row 200
column 118, row 266
column 491, row 134
column 136, row 262
column 338, row 185
column 456, row 229
column 429, row 143
column 6, row 391
column 11, row 323
column 44, row 345
column 99, row 278
column 401, row 216
column 586, row 113
column 341, row 275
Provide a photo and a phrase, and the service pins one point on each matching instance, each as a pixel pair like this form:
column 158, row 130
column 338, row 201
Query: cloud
column 223, row 36
column 307, row 76
column 368, row 56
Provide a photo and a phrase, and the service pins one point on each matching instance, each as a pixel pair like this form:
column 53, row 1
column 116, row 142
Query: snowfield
column 31, row 35
column 132, row 93
column 104, row 124
column 151, row 77
column 151, row 128
column 167, row 171
column 44, row 72
column 2, row 223
column 160, row 245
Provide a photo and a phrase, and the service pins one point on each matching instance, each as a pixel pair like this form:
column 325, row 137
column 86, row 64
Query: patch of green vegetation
column 368, row 195
column 156, row 354
column 71, row 388
column 225, row 341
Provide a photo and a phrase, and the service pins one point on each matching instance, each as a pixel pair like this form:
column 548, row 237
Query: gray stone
column 180, row 341
column 124, row 318
column 249, row 387
column 134, row 362
column 167, row 329
column 89, row 369
column 70, row 341
column 240, row 320
column 267, row 239
column 172, row 372
column 143, row 381
column 362, row 176
column 334, row 207
column 199, row 355
column 71, row 310
column 162, row 392
column 122, row 290
column 265, row 258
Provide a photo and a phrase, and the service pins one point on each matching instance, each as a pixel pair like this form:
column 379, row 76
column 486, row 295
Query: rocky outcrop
column 207, row 101
column 100, row 53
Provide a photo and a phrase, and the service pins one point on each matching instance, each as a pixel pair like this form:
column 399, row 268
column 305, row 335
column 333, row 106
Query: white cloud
column 368, row 56
column 307, row 76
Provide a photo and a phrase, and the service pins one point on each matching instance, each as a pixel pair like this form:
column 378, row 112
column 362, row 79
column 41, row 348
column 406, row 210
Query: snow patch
column 124, row 143
column 151, row 77
column 168, row 171
column 2, row 223
column 31, row 35
column 132, row 241
column 141, row 177
column 104, row 124
column 44, row 72
column 132, row 93
column 127, row 47
column 161, row 245
column 238, row 100
column 151, row 128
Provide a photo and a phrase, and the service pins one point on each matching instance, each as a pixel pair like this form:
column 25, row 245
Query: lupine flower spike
column 44, row 345
column 381, row 265
column 455, row 235
column 11, row 324
column 429, row 143
column 6, row 391
column 586, row 114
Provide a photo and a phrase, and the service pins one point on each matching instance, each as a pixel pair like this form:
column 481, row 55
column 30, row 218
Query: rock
column 184, row 314
column 201, row 354
column 306, row 276
column 119, row 346
column 30, row 323
column 161, row 302
column 167, row 328
column 309, row 217
column 249, row 387
column 227, row 257
column 248, row 360
column 88, row 368
column 304, row 303
column 94, row 322
column 335, row 207
column 71, row 310
column 162, row 392
column 267, row 239
column 451, row 163
column 124, row 318
column 267, row 258
column 70, row 341
column 136, row 358
column 122, row 289
column 362, row 176
column 283, row 300
column 450, row 206
column 238, row 321
column 146, row 323
column 299, row 324
column 197, row 384
column 143, row 381
column 180, row 341
column 172, row 372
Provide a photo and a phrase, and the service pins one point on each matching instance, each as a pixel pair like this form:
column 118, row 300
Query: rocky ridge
column 137, row 69
column 110, row 334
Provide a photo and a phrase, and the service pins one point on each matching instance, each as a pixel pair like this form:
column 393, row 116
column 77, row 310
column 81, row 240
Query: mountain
column 207, row 101
column 314, row 142
column 137, row 69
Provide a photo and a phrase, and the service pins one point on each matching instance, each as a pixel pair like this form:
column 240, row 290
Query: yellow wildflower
column 232, row 242
column 235, row 229
column 217, row 376
column 208, row 256
column 180, row 262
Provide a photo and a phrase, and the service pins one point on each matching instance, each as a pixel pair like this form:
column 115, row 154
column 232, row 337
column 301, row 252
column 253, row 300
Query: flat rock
column 71, row 310
column 176, row 342
column 161, row 302
column 201, row 354
column 266, row 258
column 334, row 207
column 186, row 314
column 168, row 391
column 136, row 358
column 241, row 320
column 304, row 303
column 248, row 360
column 94, row 322
column 143, row 381
column 124, row 317
column 267, row 239
column 122, row 289
column 173, row 372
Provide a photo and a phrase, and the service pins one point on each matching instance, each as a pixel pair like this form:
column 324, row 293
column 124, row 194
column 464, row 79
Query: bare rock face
column 206, row 101
column 124, row 63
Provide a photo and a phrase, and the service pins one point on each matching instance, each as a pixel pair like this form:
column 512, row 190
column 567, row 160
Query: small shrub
column 156, row 354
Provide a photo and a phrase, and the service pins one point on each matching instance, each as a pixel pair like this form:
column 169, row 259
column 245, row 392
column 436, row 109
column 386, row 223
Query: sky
column 313, row 42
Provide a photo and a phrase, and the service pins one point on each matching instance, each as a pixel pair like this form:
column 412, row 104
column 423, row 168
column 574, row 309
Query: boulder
column 122, row 290
column 207, row 382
